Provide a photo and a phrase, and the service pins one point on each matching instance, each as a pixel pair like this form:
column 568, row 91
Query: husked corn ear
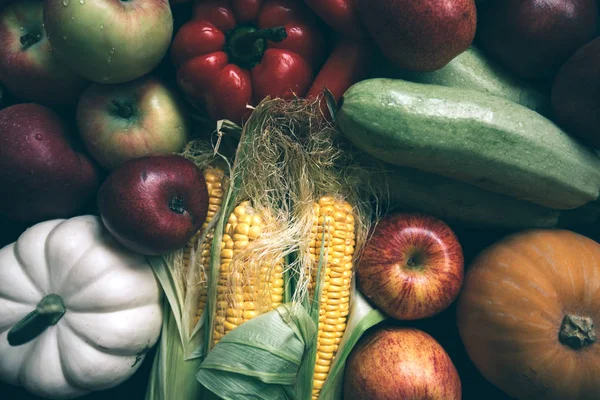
column 334, row 225
column 248, row 290
column 214, row 177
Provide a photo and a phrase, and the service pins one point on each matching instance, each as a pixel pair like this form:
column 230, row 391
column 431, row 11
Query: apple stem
column 246, row 45
column 577, row 332
column 29, row 40
column 124, row 110
column 47, row 313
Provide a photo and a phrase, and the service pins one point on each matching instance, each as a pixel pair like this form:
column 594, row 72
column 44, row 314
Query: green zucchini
column 470, row 136
column 453, row 201
column 473, row 69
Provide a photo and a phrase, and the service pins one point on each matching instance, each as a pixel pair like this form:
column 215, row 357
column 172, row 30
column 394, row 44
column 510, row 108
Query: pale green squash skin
column 473, row 69
column 470, row 136
column 409, row 189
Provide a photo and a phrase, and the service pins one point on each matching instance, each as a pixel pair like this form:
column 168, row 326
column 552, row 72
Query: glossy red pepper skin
column 341, row 15
column 212, row 61
column 347, row 64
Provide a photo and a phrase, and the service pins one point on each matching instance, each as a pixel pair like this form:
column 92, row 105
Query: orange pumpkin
column 527, row 312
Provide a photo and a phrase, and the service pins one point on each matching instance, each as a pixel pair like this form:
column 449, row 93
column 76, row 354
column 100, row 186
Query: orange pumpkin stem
column 577, row 332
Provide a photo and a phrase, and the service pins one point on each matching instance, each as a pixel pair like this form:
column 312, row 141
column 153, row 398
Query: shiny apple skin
column 32, row 72
column 109, row 41
column 158, row 124
column 393, row 363
column 412, row 266
column 136, row 203
column 533, row 38
column 43, row 175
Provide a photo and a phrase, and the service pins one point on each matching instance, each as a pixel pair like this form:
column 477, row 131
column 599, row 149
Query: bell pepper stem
column 276, row 34
column 246, row 45
column 47, row 313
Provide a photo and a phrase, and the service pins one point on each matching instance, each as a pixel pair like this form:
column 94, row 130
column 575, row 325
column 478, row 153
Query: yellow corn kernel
column 248, row 292
column 214, row 178
column 334, row 229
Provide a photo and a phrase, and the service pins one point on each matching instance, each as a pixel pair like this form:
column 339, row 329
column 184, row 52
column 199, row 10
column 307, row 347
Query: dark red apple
column 576, row 94
column 42, row 176
column 154, row 204
column 532, row 38
column 412, row 266
column 28, row 66
column 400, row 363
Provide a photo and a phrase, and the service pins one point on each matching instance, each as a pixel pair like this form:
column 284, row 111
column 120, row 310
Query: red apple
column 130, row 120
column 154, row 204
column 41, row 175
column 400, row 363
column 412, row 266
column 28, row 66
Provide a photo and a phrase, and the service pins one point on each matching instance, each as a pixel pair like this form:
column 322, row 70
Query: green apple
column 130, row 120
column 109, row 41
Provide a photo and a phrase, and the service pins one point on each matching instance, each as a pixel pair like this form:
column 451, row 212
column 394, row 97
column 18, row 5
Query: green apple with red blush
column 29, row 68
column 412, row 266
column 109, row 41
column 130, row 120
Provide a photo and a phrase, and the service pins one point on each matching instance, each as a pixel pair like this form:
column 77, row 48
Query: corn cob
column 249, row 290
column 214, row 177
column 333, row 224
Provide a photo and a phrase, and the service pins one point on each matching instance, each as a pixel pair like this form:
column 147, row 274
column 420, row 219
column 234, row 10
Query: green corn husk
column 261, row 358
column 177, row 358
column 269, row 358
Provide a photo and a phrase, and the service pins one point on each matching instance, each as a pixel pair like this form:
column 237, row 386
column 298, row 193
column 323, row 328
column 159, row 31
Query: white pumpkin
column 109, row 296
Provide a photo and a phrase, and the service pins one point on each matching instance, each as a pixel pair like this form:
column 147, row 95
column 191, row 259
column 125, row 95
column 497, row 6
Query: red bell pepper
column 348, row 63
column 237, row 52
column 341, row 15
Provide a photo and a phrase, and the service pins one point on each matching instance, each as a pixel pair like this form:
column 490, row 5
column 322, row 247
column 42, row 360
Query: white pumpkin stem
column 47, row 313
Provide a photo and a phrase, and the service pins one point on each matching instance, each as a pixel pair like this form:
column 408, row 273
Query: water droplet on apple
column 81, row 1
column 65, row 37
column 66, row 2
column 101, row 26
column 38, row 137
column 105, row 78
column 21, row 27
column 72, row 18
column 112, row 51
column 109, row 59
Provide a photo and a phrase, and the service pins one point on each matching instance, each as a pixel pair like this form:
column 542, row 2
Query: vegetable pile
column 312, row 200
